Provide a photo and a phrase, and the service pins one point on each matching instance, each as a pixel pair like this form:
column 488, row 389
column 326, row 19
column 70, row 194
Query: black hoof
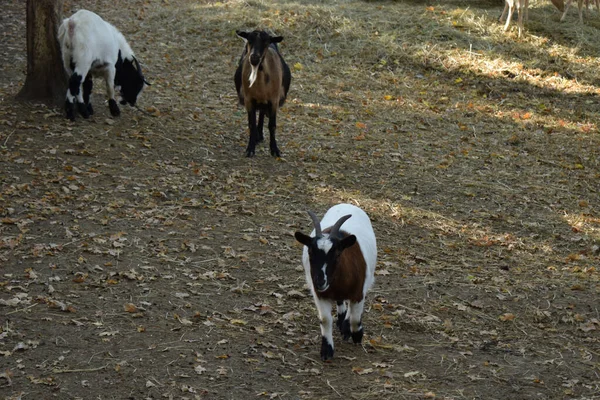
column 260, row 138
column 250, row 153
column 83, row 110
column 358, row 335
column 275, row 152
column 70, row 109
column 90, row 109
column 326, row 350
column 114, row 108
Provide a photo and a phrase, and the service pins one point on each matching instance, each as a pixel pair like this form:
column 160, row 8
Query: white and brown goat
column 262, row 81
column 339, row 261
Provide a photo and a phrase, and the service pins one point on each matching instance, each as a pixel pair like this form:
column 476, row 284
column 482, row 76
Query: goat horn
column 338, row 224
column 316, row 223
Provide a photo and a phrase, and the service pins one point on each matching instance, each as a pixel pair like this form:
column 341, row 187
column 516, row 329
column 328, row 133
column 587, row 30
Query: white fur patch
column 324, row 309
column 253, row 74
column 324, row 244
column 326, row 286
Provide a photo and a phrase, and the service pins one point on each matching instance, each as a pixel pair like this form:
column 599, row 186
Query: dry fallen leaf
column 130, row 308
column 507, row 317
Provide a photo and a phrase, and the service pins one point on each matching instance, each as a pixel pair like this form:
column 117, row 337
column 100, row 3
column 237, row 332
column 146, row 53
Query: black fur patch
column 70, row 109
column 74, row 84
column 340, row 316
column 72, row 64
column 346, row 329
column 358, row 335
column 326, row 349
column 83, row 110
column 88, row 84
column 130, row 78
column 114, row 108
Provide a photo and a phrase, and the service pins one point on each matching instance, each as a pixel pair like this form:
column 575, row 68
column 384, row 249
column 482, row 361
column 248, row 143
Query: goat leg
column 70, row 109
column 114, row 108
column 272, row 141
column 87, row 91
column 251, row 149
column 261, row 121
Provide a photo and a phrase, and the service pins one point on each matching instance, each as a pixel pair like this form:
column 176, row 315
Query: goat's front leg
column 355, row 311
column 88, row 84
column 324, row 309
column 341, row 315
column 261, row 121
column 272, row 141
column 110, row 91
column 75, row 95
column 251, row 149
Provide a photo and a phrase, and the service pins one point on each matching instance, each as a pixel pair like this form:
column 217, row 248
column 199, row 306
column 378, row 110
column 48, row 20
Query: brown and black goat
column 262, row 81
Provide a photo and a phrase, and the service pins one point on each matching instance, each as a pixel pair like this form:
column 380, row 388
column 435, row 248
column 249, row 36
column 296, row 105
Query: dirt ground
column 145, row 257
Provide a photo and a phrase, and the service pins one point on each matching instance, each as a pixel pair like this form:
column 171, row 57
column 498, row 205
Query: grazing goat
column 522, row 7
column 262, row 81
column 339, row 264
column 93, row 47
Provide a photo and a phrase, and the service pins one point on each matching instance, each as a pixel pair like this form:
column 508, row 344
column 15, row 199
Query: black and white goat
column 339, row 261
column 93, row 47
column 262, row 81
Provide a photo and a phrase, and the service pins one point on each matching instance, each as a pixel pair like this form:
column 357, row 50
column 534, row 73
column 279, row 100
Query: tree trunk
column 46, row 79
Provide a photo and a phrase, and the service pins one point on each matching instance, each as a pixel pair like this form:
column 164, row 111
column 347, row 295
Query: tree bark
column 46, row 79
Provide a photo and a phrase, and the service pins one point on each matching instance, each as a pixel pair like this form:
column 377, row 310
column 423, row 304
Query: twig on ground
column 66, row 371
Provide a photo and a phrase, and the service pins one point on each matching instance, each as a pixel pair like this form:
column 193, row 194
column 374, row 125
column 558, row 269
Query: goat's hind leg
column 109, row 78
column 355, row 311
column 261, row 121
column 342, row 323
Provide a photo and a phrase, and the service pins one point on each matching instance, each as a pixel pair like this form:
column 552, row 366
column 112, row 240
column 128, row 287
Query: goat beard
column 253, row 74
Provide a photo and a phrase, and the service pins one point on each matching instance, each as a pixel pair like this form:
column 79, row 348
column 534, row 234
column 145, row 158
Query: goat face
column 324, row 252
column 257, row 43
column 131, row 80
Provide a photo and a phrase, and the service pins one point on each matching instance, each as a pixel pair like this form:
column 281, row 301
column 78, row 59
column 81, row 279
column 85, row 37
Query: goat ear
column 242, row 34
column 347, row 242
column 276, row 39
column 302, row 238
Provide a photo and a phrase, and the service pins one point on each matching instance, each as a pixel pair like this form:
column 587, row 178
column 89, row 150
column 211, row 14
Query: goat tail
column 71, row 28
column 65, row 33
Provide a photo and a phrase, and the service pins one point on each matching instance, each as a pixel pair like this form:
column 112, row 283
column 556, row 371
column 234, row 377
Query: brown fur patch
column 349, row 276
column 268, row 87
